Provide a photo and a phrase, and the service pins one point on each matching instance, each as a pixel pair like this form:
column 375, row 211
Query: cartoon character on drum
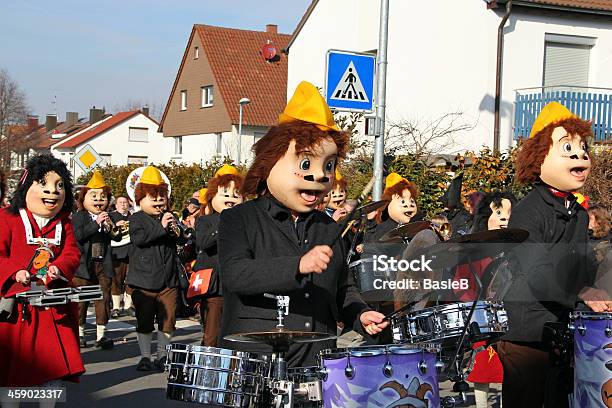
column 38, row 345
column 555, row 272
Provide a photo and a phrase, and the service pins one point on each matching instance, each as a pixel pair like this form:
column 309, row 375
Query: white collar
column 31, row 240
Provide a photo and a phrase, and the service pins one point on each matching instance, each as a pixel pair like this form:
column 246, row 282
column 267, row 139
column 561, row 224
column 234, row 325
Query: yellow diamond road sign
column 87, row 158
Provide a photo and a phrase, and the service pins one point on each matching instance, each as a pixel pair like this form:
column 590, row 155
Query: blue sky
column 106, row 53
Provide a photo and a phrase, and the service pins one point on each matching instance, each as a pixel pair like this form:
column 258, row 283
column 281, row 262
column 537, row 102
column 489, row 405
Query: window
column 566, row 60
column 183, row 100
column 138, row 134
column 196, row 53
column 370, row 126
column 140, row 160
column 178, row 145
column 219, row 143
column 106, row 160
column 207, row 96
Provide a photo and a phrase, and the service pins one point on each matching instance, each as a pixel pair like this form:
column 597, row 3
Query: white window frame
column 196, row 53
column 133, row 139
column 183, row 100
column 207, row 96
column 178, row 145
column 219, row 146
column 141, row 160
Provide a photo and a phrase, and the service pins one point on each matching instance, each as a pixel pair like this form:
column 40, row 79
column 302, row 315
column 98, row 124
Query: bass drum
column 215, row 376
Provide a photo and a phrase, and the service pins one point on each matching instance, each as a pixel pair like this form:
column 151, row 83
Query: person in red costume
column 38, row 345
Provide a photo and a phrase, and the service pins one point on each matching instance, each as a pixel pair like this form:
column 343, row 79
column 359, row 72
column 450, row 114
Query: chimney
column 95, row 115
column 72, row 118
column 272, row 28
column 145, row 110
column 32, row 123
column 51, row 122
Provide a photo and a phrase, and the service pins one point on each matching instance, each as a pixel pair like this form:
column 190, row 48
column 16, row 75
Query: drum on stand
column 381, row 376
column 592, row 358
column 216, row 376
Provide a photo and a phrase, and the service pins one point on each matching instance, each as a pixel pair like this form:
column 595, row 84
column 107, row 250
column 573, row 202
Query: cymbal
column 398, row 234
column 366, row 209
column 280, row 337
column 473, row 247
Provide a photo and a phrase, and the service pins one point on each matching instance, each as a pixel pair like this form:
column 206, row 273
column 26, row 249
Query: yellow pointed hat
column 202, row 197
column 151, row 175
column 338, row 175
column 551, row 113
column 226, row 169
column 308, row 105
column 392, row 179
column 96, row 181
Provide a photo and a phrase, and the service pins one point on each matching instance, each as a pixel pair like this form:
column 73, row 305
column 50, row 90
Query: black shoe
column 105, row 343
column 131, row 311
column 83, row 342
column 115, row 314
column 144, row 364
column 160, row 363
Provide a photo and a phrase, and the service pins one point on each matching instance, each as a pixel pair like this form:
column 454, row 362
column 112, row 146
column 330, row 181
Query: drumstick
column 398, row 311
column 360, row 199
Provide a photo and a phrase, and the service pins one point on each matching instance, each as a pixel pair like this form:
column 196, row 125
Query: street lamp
column 241, row 102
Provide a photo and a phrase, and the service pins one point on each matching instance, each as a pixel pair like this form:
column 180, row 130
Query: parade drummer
column 38, row 345
column 153, row 275
column 223, row 192
column 93, row 234
column 279, row 244
column 121, row 259
column 554, row 275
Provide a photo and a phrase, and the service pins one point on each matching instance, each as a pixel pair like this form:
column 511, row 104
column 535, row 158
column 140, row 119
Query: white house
column 123, row 138
column 442, row 58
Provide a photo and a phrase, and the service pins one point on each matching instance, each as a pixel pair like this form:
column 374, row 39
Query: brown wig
column 142, row 189
column 270, row 148
column 83, row 192
column 340, row 183
column 533, row 151
column 383, row 213
column 213, row 187
column 603, row 219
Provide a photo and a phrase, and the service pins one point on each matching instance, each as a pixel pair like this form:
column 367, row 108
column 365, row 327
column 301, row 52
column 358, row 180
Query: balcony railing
column 594, row 104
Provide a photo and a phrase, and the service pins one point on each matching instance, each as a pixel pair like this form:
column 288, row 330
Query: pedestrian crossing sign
column 349, row 81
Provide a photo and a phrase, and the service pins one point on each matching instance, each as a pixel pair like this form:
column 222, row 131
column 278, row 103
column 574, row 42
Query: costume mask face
column 402, row 208
column 45, row 198
column 337, row 198
column 153, row 205
column 95, row 201
column 300, row 180
column 500, row 215
column 226, row 197
column 567, row 165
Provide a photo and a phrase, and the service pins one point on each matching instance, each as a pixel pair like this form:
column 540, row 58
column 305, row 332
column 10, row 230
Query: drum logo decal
column 413, row 397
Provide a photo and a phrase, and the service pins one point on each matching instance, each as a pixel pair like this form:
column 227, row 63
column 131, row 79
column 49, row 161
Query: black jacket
column 206, row 245
column 152, row 256
column 554, row 264
column 260, row 248
column 87, row 231
column 123, row 251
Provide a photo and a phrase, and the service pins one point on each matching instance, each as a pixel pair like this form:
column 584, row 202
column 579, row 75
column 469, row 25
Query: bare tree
column 13, row 111
column 155, row 110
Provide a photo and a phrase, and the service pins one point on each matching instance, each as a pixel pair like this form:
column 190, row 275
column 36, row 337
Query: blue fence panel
column 596, row 107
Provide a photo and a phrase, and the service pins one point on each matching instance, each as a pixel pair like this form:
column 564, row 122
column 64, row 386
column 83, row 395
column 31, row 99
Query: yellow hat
column 96, row 181
column 338, row 175
column 392, row 179
column 151, row 175
column 308, row 105
column 202, row 197
column 226, row 169
column 551, row 113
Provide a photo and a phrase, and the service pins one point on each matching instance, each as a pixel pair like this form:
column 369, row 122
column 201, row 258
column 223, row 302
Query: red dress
column 45, row 346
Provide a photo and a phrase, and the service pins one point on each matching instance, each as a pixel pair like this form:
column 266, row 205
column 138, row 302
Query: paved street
column 112, row 381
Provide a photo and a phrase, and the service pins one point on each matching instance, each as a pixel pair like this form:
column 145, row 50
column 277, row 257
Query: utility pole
column 381, row 94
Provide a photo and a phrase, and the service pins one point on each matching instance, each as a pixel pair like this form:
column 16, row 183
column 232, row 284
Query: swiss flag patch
column 199, row 283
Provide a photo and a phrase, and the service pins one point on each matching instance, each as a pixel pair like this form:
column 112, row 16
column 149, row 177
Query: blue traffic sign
column 349, row 81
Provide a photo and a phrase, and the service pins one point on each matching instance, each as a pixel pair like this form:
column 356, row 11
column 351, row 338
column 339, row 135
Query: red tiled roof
column 47, row 140
column 115, row 120
column 240, row 71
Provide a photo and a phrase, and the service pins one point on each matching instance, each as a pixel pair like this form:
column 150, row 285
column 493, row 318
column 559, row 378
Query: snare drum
column 215, row 376
column 592, row 358
column 381, row 376
column 369, row 282
column 445, row 323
